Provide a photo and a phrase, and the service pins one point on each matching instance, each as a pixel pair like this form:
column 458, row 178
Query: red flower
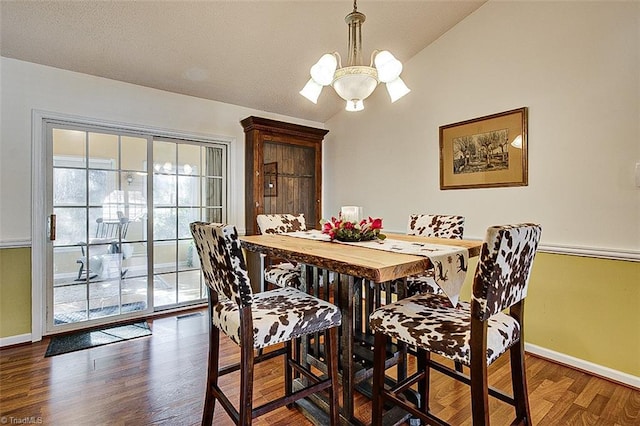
column 376, row 223
column 327, row 227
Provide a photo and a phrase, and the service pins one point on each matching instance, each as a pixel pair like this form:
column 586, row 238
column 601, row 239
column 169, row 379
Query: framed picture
column 485, row 152
column 271, row 179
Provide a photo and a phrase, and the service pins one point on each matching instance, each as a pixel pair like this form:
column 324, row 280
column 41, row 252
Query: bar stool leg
column 212, row 375
column 246, row 384
column 379, row 355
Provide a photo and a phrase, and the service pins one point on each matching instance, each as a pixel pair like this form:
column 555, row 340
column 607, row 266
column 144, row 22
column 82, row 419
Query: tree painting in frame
column 485, row 152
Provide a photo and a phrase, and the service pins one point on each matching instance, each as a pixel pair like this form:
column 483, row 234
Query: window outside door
column 123, row 246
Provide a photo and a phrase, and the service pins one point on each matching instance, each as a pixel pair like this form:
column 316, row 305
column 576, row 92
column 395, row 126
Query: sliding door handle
column 52, row 227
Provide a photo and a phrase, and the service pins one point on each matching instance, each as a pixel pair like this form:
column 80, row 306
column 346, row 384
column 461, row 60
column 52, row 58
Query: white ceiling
column 251, row 53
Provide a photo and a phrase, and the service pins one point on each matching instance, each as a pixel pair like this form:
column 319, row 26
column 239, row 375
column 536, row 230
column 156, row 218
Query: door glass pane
column 134, row 190
column 134, row 294
column 135, row 259
column 70, row 226
column 164, row 289
column 136, row 232
column 104, row 296
column 69, row 143
column 186, row 253
column 133, row 153
column 164, row 223
column 164, row 257
column 65, row 267
column 189, row 282
column 71, row 186
column 188, row 191
column 188, row 159
column 185, row 217
column 103, row 187
column 164, row 190
column 164, row 157
column 70, row 303
column 104, row 148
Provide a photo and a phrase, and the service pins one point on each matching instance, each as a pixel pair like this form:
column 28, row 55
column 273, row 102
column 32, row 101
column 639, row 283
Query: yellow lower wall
column 582, row 307
column 586, row 308
column 15, row 292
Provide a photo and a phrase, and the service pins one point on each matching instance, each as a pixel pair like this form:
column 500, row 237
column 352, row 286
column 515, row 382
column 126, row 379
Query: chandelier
column 355, row 82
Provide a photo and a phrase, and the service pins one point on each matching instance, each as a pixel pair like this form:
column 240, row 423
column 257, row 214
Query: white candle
column 351, row 213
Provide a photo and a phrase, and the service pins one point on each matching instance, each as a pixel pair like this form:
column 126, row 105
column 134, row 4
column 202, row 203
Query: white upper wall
column 575, row 65
column 26, row 86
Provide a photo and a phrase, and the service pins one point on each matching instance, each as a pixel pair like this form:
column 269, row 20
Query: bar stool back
column 281, row 273
column 431, row 225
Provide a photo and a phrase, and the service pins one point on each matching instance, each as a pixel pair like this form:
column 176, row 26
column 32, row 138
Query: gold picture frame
column 485, row 152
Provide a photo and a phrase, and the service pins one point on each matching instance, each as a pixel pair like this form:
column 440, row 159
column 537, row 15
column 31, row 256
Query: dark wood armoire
column 283, row 170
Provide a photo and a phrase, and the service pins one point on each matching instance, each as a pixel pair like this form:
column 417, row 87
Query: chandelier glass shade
column 355, row 82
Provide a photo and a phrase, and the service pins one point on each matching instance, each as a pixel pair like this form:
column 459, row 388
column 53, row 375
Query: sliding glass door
column 122, row 203
column 188, row 185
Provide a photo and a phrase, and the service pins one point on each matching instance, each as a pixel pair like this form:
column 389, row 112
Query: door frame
column 39, row 214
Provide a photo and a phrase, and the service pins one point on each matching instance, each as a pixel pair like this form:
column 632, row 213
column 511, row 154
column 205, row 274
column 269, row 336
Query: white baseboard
column 589, row 367
column 15, row 340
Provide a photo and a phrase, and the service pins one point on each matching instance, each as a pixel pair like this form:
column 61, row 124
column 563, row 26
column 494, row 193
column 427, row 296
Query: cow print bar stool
column 280, row 273
column 256, row 321
column 440, row 226
column 474, row 334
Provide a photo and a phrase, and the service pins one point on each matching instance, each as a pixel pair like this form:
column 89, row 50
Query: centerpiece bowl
column 350, row 231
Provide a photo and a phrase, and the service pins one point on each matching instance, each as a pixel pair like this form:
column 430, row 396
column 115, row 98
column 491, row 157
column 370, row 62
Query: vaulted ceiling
column 255, row 54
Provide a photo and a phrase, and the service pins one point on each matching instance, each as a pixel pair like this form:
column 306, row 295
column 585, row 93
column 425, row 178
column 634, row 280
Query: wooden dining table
column 354, row 268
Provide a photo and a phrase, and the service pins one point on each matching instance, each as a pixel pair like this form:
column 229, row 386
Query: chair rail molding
column 8, row 244
column 630, row 255
column 599, row 253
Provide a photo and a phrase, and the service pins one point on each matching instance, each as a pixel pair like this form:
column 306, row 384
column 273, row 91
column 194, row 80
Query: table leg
column 402, row 358
column 303, row 342
column 348, row 378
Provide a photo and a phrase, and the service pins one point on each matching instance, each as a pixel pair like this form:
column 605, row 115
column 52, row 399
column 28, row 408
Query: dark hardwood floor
column 159, row 380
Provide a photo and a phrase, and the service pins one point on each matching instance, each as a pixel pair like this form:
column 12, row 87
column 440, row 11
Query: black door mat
column 90, row 339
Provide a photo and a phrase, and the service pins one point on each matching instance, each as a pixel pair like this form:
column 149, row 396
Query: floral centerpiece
column 345, row 230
